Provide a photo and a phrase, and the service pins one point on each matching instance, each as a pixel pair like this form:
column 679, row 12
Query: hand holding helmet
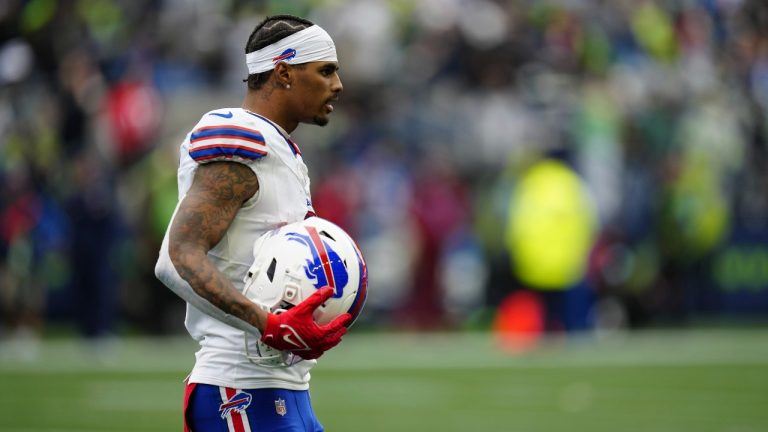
column 295, row 330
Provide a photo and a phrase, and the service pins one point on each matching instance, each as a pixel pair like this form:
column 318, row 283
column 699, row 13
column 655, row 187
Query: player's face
column 320, row 86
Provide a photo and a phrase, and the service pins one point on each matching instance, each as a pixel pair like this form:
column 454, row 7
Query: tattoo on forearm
column 210, row 284
column 218, row 191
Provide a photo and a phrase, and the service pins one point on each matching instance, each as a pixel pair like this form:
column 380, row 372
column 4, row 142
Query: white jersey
column 240, row 136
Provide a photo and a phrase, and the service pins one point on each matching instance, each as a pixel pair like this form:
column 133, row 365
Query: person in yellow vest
column 550, row 231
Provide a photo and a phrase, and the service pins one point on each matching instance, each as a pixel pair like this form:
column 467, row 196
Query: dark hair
column 267, row 32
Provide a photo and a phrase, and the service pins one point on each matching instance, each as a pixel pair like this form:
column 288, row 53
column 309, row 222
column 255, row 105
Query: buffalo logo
column 285, row 56
column 238, row 402
column 280, row 407
column 326, row 268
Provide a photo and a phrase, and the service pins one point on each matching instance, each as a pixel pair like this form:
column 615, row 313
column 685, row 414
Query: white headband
column 308, row 45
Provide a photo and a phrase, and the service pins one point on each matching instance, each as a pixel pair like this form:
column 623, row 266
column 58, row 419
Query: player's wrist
column 271, row 325
column 256, row 315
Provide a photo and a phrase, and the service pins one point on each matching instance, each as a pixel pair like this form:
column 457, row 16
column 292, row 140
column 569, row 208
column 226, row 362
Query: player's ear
column 283, row 74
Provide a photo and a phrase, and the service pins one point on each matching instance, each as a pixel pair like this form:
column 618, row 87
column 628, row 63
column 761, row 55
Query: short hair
column 267, row 32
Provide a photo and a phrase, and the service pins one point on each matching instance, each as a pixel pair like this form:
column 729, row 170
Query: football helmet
column 291, row 263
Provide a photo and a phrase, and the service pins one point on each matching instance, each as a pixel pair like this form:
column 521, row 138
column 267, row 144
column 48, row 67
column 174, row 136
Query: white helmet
column 294, row 261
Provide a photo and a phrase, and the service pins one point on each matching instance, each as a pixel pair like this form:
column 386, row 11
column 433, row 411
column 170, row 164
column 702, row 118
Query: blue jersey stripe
column 210, row 152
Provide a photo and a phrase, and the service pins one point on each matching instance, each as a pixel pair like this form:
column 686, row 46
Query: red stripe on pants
column 187, row 393
column 237, row 417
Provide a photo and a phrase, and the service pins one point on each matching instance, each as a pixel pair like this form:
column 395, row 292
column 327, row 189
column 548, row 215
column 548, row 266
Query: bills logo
column 285, row 56
column 325, row 268
column 238, row 403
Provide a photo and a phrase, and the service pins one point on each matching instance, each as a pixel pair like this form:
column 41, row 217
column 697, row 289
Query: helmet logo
column 325, row 268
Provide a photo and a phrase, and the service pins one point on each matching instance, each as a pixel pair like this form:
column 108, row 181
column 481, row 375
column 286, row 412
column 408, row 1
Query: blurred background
column 518, row 170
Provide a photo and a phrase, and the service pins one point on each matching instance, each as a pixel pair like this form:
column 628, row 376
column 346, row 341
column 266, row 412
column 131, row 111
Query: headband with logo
column 308, row 45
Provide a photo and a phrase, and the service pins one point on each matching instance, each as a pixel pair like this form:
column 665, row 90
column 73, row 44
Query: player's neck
column 271, row 108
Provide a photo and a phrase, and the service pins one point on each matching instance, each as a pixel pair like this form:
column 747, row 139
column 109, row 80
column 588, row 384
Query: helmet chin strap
column 267, row 356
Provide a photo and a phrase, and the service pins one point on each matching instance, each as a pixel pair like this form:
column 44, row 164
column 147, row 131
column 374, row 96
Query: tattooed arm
column 201, row 220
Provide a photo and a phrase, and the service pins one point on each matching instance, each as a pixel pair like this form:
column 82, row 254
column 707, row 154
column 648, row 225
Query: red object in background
column 519, row 321
column 337, row 198
column 439, row 210
column 20, row 217
column 134, row 113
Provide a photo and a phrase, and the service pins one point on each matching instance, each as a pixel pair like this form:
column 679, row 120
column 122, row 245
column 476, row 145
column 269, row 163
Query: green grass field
column 700, row 381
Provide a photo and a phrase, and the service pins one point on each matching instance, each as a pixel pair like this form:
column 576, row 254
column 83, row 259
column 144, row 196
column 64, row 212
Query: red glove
column 295, row 330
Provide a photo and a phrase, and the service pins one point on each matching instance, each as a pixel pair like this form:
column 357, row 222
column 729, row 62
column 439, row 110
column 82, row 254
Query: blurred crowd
column 550, row 164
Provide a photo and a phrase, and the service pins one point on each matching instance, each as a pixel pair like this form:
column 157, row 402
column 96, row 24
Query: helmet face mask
column 294, row 261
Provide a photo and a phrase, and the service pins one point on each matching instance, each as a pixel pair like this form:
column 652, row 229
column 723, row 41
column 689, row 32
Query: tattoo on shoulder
column 227, row 181
column 217, row 193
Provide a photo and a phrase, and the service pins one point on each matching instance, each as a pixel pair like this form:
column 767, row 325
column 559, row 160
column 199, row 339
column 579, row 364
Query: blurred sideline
column 375, row 351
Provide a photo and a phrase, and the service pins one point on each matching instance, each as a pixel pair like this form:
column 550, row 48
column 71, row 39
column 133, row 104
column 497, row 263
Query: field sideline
column 676, row 381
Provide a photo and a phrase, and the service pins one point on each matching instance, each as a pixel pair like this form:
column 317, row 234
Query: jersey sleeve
column 226, row 141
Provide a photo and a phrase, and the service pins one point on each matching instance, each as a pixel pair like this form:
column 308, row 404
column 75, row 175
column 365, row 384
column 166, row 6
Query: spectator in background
column 439, row 208
column 94, row 225
column 550, row 234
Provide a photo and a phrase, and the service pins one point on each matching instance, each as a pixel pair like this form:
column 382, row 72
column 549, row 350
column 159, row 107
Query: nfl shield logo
column 280, row 407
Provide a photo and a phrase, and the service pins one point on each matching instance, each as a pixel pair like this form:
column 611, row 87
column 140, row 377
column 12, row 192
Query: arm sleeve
column 167, row 274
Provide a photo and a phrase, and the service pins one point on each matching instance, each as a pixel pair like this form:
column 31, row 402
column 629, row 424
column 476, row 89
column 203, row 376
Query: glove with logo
column 295, row 330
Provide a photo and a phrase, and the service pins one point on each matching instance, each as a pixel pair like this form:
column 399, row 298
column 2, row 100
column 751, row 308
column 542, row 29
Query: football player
column 241, row 175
